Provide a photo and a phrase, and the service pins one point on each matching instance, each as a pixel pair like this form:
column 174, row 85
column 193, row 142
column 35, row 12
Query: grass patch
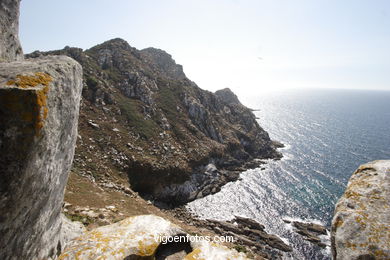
column 240, row 248
column 83, row 219
column 131, row 109
column 168, row 100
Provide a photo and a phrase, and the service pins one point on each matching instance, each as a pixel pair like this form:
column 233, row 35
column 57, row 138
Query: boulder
column 38, row 129
column 142, row 237
column 360, row 226
column 10, row 49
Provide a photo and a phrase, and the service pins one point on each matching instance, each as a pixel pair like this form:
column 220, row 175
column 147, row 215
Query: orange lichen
column 194, row 255
column 40, row 112
column 26, row 81
column 146, row 249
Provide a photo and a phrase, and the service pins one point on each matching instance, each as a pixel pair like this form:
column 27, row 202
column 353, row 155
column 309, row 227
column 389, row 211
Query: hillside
column 143, row 121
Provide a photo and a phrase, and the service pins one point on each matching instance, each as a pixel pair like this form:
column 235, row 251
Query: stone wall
column 361, row 223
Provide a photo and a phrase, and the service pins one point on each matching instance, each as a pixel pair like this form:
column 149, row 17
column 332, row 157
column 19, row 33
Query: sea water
column 327, row 135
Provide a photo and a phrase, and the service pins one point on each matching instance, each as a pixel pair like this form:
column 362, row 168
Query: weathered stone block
column 361, row 223
column 39, row 107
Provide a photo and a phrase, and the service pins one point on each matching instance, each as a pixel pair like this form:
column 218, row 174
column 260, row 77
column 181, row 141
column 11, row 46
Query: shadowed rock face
column 360, row 226
column 38, row 129
column 10, row 49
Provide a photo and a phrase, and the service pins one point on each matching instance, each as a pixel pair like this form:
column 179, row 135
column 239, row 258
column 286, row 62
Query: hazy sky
column 249, row 46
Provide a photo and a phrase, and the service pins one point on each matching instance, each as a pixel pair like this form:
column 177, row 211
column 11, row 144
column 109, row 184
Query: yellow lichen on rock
column 360, row 227
column 38, row 114
column 147, row 247
column 194, row 255
column 28, row 81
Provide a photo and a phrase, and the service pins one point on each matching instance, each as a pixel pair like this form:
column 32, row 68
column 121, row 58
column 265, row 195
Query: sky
column 250, row 46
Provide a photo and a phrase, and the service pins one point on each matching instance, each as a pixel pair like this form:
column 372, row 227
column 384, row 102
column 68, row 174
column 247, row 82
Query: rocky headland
column 144, row 121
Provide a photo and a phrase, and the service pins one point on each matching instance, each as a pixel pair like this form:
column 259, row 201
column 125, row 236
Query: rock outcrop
column 361, row 223
column 144, row 237
column 311, row 232
column 10, row 49
column 228, row 96
column 38, row 128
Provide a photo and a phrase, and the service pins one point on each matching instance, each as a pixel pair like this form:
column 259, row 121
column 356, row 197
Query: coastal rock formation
column 38, row 128
column 248, row 234
column 311, row 232
column 228, row 96
column 143, row 120
column 144, row 237
column 10, row 49
column 360, row 226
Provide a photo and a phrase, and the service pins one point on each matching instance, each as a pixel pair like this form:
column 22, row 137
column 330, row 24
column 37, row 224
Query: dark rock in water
column 248, row 223
column 277, row 144
column 311, row 227
column 360, row 226
column 310, row 231
column 10, row 49
column 250, row 233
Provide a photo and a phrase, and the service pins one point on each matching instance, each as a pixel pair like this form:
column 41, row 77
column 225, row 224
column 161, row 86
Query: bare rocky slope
column 143, row 119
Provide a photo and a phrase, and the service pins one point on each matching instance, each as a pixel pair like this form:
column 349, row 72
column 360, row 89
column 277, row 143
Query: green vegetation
column 168, row 100
column 131, row 109
column 83, row 219
column 240, row 248
column 91, row 81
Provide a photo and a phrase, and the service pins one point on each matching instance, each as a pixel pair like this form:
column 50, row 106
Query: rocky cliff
column 38, row 129
column 361, row 223
column 142, row 119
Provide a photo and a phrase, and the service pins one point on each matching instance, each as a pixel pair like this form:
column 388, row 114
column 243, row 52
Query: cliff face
column 142, row 117
column 360, row 227
column 38, row 128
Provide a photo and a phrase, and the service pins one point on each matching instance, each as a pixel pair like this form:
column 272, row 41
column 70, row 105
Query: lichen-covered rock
column 361, row 224
column 38, row 128
column 10, row 49
column 138, row 238
column 70, row 230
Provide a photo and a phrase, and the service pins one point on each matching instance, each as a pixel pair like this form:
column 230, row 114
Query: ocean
column 327, row 135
